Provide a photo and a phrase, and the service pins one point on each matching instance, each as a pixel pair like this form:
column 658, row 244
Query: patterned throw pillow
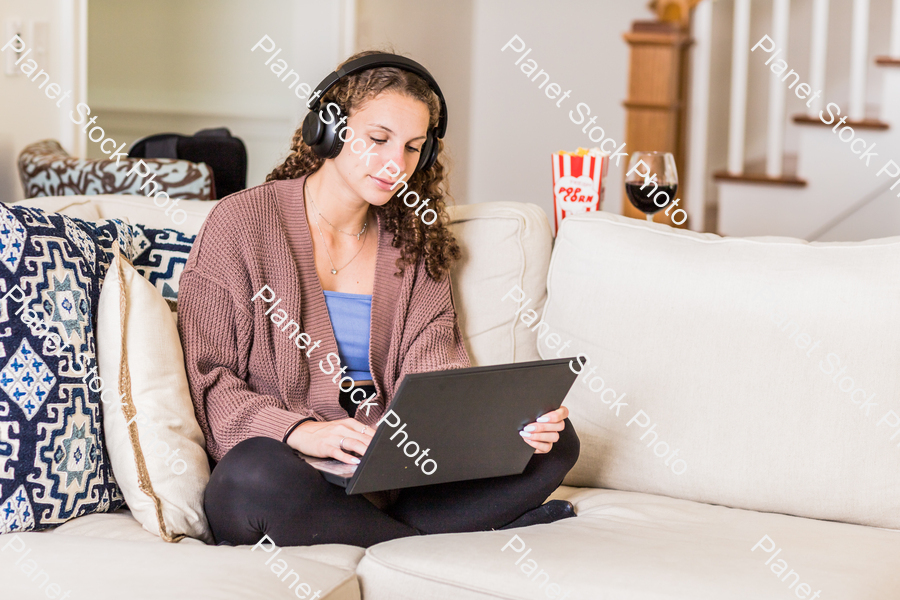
column 47, row 170
column 53, row 466
column 162, row 259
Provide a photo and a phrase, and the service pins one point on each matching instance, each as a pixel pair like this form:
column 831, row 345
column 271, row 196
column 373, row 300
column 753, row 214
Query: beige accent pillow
column 154, row 442
column 505, row 254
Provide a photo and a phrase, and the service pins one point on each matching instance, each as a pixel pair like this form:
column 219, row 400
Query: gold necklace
column 318, row 212
column 334, row 270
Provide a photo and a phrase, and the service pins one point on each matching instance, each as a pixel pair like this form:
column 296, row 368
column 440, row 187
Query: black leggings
column 260, row 487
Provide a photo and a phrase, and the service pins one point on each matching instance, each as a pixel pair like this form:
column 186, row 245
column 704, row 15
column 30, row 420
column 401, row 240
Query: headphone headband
column 384, row 59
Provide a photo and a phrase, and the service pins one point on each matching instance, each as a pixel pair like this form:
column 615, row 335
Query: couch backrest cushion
column 505, row 250
column 768, row 364
column 136, row 210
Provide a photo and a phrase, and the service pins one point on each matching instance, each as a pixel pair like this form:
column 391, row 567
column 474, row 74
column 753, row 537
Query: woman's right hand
column 323, row 439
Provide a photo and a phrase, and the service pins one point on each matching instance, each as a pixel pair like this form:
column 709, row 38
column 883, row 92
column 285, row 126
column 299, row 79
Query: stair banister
column 818, row 53
column 781, row 14
column 740, row 55
column 859, row 55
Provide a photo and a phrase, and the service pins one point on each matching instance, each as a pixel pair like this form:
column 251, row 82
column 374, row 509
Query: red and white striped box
column 578, row 182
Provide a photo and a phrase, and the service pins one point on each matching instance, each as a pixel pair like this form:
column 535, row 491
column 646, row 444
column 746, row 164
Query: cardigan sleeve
column 216, row 336
column 439, row 344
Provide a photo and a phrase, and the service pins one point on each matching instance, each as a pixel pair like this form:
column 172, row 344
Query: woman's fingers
column 541, row 427
column 539, row 447
column 344, row 445
column 345, row 458
column 354, row 440
column 355, row 426
column 354, row 431
column 542, row 441
column 551, row 421
column 547, row 436
column 555, row 416
column 366, row 430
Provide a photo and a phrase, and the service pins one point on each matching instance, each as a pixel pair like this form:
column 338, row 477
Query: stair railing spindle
column 859, row 51
column 740, row 55
column 697, row 176
column 819, row 53
column 781, row 14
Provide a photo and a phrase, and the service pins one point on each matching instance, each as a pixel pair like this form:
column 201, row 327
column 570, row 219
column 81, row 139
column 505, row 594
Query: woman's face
column 389, row 127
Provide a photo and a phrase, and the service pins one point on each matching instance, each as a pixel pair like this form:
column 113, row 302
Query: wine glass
column 652, row 185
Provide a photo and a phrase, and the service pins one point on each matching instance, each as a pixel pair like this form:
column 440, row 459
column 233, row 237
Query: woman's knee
column 255, row 465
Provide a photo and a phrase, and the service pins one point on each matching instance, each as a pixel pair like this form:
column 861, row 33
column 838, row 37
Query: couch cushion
column 53, row 465
column 731, row 352
column 154, row 443
column 640, row 547
column 142, row 210
column 159, row 254
column 121, row 525
column 505, row 246
column 47, row 170
column 78, row 207
column 163, row 260
column 150, row 571
column 133, row 209
column 118, row 525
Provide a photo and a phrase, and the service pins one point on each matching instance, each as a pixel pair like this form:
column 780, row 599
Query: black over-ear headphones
column 324, row 139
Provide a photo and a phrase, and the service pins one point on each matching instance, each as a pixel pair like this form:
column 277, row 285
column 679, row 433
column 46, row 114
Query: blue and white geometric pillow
column 53, row 466
column 160, row 256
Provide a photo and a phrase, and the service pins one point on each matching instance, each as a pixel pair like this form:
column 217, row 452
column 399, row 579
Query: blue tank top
column 350, row 315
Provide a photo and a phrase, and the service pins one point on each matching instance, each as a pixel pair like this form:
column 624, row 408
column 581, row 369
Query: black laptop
column 455, row 425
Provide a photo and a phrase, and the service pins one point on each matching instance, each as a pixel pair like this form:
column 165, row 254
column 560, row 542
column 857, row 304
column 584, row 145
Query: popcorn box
column 578, row 182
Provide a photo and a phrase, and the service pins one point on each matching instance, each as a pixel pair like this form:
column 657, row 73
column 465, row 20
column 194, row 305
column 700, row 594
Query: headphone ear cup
column 313, row 129
column 428, row 153
column 337, row 145
column 321, row 138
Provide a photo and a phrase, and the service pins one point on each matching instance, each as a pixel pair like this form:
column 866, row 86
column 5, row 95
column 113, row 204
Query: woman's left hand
column 542, row 434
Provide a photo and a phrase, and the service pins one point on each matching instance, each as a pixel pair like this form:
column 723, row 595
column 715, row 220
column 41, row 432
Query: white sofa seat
column 104, row 568
column 633, row 546
column 121, row 525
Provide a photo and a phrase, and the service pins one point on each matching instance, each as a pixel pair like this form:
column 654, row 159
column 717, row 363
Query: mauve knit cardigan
column 247, row 378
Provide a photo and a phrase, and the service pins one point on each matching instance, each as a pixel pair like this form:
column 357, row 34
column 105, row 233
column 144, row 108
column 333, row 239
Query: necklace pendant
column 334, row 271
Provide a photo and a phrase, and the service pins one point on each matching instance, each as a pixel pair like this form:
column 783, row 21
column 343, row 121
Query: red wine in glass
column 651, row 181
column 642, row 199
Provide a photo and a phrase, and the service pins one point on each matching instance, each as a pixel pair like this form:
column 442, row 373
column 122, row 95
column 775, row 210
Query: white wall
column 503, row 129
column 515, row 127
column 407, row 27
column 183, row 65
column 28, row 114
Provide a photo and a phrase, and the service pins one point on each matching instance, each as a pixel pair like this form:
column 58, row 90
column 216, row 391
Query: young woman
column 326, row 260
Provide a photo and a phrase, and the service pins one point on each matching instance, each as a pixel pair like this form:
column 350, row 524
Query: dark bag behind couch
column 222, row 152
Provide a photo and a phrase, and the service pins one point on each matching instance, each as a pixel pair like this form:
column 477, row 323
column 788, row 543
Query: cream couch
column 701, row 344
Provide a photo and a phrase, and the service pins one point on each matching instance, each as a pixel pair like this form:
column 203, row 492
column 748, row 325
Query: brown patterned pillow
column 47, row 170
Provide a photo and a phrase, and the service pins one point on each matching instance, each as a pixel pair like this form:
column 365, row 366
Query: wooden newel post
column 657, row 93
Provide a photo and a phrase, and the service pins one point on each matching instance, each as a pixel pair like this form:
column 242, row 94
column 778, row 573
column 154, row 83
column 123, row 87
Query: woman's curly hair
column 434, row 243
